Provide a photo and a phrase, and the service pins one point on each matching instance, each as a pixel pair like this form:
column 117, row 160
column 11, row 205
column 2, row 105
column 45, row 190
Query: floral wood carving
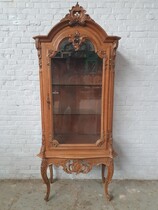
column 77, row 166
column 77, row 16
column 39, row 51
column 77, row 40
column 80, row 166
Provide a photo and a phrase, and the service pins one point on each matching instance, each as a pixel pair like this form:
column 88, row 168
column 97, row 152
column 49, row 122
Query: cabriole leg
column 51, row 173
column 102, row 173
column 44, row 166
column 110, row 171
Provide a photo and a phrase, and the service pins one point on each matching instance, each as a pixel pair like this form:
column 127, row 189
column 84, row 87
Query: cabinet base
column 77, row 166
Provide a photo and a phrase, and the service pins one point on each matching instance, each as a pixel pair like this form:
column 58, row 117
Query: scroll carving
column 54, row 143
column 80, row 166
column 39, row 51
column 77, row 40
column 51, row 53
column 77, row 16
column 101, row 53
column 77, row 166
column 113, row 56
column 100, row 142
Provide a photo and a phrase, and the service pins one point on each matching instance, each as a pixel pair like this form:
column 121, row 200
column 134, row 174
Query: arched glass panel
column 77, row 87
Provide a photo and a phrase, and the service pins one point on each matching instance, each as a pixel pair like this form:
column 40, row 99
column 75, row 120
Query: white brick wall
column 136, row 85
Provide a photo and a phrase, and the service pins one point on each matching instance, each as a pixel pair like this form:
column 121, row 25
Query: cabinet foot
column 51, row 173
column 103, row 172
column 110, row 171
column 44, row 166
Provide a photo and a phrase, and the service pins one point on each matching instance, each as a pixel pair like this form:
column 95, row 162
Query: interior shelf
column 76, row 113
column 98, row 85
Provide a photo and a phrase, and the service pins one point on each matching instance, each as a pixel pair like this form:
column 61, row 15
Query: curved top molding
column 76, row 17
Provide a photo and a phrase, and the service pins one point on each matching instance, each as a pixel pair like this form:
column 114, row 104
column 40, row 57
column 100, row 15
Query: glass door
column 76, row 92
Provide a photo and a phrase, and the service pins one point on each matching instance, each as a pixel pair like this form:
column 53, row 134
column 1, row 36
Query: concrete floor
column 78, row 195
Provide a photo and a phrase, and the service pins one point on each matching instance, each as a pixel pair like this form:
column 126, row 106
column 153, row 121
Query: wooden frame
column 78, row 158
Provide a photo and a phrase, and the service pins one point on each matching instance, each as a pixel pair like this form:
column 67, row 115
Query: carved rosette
column 77, row 16
column 39, row 51
column 77, row 40
column 77, row 166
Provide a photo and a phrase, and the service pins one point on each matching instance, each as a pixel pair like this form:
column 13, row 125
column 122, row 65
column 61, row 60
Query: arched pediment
column 77, row 18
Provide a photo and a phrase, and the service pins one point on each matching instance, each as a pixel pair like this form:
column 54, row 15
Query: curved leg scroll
column 110, row 172
column 51, row 173
column 102, row 173
column 44, row 166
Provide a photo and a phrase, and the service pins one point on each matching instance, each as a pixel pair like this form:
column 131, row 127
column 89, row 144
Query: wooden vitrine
column 76, row 65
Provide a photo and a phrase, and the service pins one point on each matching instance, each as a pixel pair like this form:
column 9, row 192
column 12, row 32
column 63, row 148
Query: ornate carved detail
column 113, row 56
column 77, row 16
column 77, row 166
column 77, row 40
column 80, row 166
column 51, row 53
column 101, row 53
column 100, row 142
column 39, row 51
column 110, row 143
column 54, row 143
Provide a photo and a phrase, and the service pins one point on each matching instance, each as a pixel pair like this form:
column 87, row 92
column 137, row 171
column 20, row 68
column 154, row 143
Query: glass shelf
column 95, row 85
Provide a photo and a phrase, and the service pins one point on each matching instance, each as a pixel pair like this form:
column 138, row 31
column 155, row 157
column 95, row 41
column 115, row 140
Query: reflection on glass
column 77, row 86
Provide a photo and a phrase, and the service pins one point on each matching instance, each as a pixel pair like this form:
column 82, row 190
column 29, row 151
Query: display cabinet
column 76, row 67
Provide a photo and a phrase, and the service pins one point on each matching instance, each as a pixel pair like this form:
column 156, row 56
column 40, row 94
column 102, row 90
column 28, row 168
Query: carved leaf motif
column 77, row 166
column 77, row 40
column 77, row 16
column 80, row 166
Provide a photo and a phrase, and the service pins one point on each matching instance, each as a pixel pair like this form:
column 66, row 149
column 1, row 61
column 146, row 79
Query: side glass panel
column 77, row 87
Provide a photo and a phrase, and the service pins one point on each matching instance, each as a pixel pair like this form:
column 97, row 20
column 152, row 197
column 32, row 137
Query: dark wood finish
column 76, row 87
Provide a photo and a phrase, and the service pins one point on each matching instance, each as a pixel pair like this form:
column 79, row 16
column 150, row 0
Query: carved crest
column 77, row 40
column 77, row 16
